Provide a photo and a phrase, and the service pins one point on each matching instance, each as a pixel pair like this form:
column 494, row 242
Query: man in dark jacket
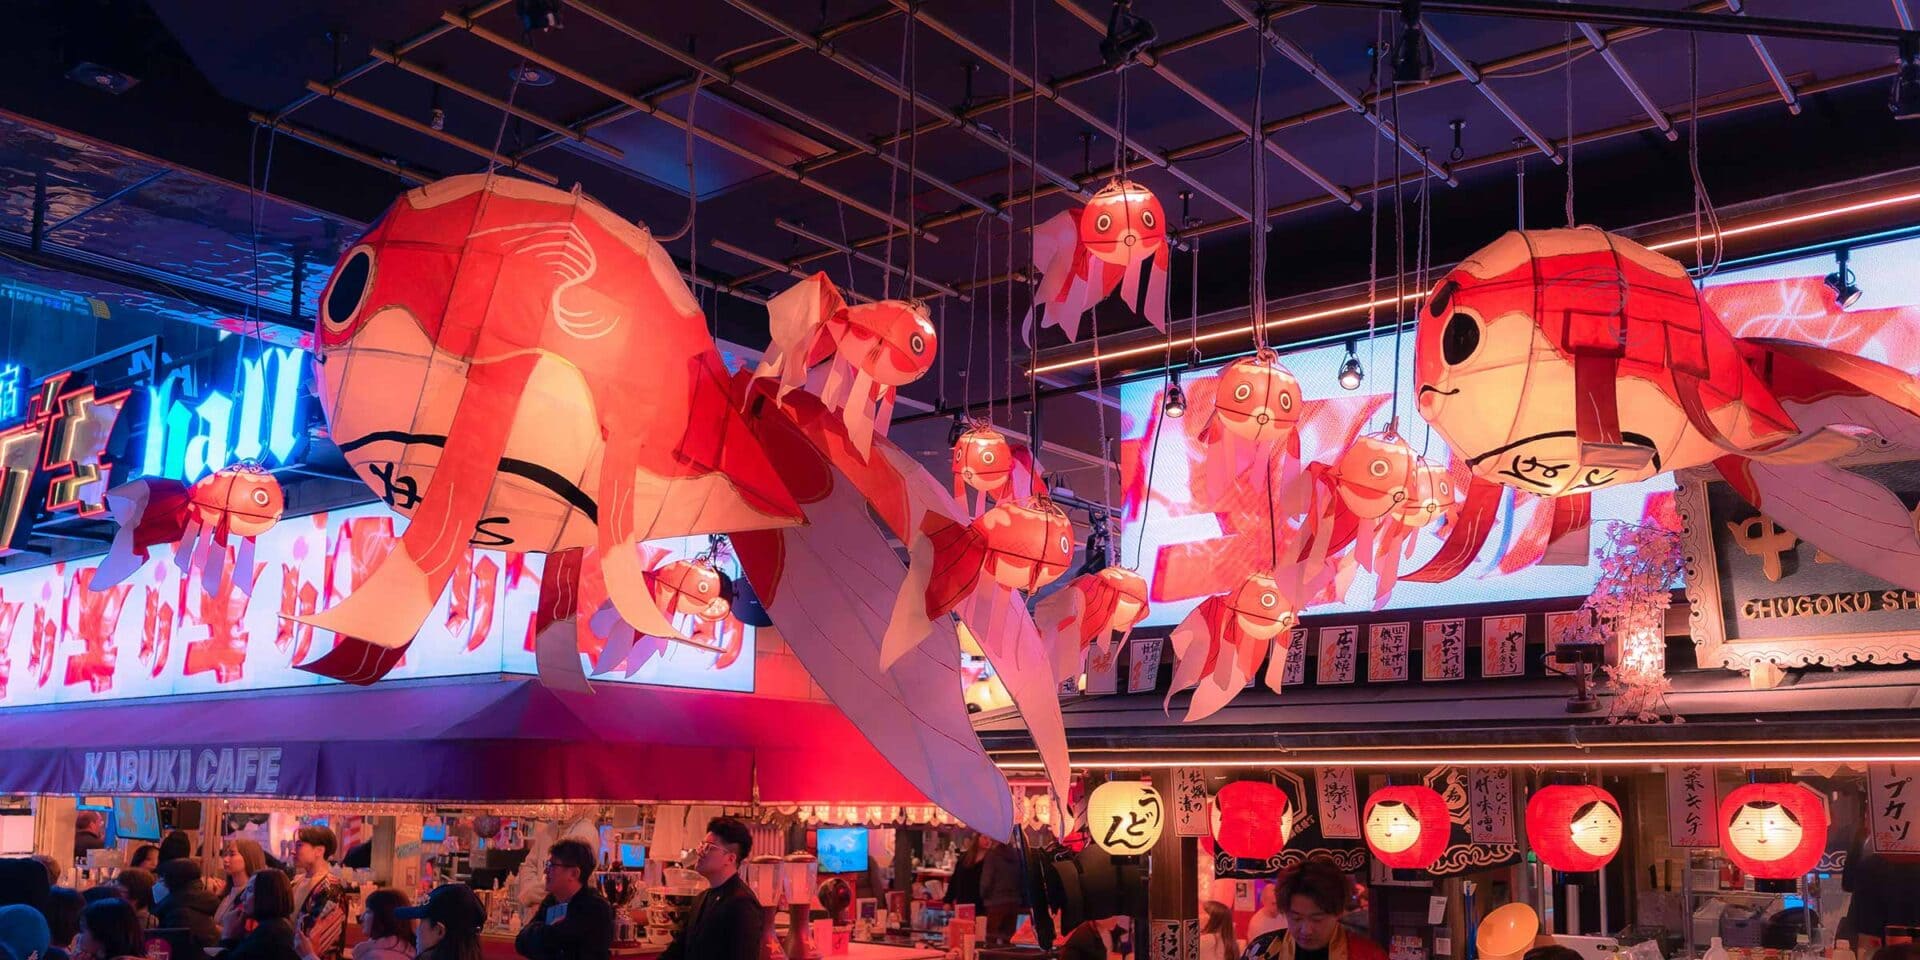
column 574, row 922
column 186, row 903
column 727, row 922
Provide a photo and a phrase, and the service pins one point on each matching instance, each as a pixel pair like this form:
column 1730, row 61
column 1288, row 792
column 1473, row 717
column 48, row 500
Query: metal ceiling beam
column 402, row 48
column 374, row 109
column 1051, row 93
column 874, row 76
column 1600, row 45
column 1766, row 63
column 1305, row 61
column 406, row 173
column 864, row 257
column 1219, row 110
column 1570, row 12
column 107, row 200
column 731, row 80
column 776, row 265
column 614, row 93
column 1901, row 14
column 496, row 103
column 1478, row 80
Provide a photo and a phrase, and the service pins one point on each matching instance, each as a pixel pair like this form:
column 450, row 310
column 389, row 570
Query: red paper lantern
column 1260, row 608
column 983, row 460
column 1123, row 223
column 1775, row 832
column 1255, row 398
column 693, row 588
column 1130, row 597
column 1252, row 820
column 1029, row 543
column 1376, row 474
column 1574, row 828
column 1407, row 827
column 891, row 341
column 1431, row 496
column 242, row 500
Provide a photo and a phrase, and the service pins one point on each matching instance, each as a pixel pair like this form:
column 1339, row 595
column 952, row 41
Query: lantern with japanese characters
column 1257, row 399
column 1029, row 543
column 1407, row 827
column 1775, row 832
column 1575, row 828
column 1252, row 820
column 1259, row 608
column 983, row 460
column 1125, row 817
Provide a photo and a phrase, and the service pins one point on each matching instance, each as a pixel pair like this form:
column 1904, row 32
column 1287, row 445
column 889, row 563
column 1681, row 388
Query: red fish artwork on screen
column 91, row 619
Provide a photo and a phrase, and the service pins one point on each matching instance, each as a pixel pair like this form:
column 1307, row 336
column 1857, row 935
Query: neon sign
column 62, row 444
column 188, row 436
column 10, row 381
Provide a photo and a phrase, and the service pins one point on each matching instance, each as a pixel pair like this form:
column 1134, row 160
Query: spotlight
column 1412, row 58
column 1175, row 405
column 102, row 78
column 1905, row 100
column 1840, row 281
column 1350, row 372
column 437, row 120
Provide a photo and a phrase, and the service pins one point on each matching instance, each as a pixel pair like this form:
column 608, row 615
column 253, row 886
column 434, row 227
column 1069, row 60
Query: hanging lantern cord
column 1257, row 275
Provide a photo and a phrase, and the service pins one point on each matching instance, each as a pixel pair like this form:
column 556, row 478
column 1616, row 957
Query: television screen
column 434, row 833
column 633, row 856
column 136, row 818
column 842, row 849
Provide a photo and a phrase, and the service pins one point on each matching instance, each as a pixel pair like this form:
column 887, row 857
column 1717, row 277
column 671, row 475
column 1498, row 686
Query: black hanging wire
column 1422, row 269
column 1033, row 227
column 1399, row 266
column 1257, row 269
column 1373, row 231
column 1568, row 66
column 1703, row 208
column 902, row 113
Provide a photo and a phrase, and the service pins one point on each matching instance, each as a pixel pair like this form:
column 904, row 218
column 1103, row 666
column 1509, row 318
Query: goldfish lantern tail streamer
column 1063, row 294
column 150, row 512
column 797, row 320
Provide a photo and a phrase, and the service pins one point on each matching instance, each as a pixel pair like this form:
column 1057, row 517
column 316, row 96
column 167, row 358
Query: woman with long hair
column 240, row 859
column 1216, row 933
column 261, row 929
column 109, row 930
column 389, row 936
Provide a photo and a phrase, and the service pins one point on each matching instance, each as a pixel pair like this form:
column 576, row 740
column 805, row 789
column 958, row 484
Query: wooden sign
column 1143, row 663
column 1192, row 816
column 1296, row 669
column 1339, row 650
column 1693, row 805
column 1503, row 646
column 1387, row 649
column 1443, row 650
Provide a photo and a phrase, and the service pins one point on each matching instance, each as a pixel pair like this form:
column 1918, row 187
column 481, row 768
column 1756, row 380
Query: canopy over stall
column 504, row 741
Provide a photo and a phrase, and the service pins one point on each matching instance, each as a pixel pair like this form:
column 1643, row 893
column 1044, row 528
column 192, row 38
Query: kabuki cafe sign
column 239, row 771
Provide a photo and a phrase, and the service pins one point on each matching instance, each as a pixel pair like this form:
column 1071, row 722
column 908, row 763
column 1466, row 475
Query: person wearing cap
column 447, row 926
column 574, row 922
column 727, row 922
column 23, row 933
column 184, row 901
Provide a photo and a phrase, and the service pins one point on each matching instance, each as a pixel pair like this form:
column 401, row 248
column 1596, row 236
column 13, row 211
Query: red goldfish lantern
column 1377, row 476
column 875, row 349
column 985, row 461
column 1559, row 362
column 1083, row 258
column 1575, row 828
column 150, row 512
column 1257, row 399
column 1095, row 606
column 1431, row 496
column 1407, row 827
column 1019, row 544
column 1259, row 608
column 517, row 367
column 691, row 587
column 1219, row 646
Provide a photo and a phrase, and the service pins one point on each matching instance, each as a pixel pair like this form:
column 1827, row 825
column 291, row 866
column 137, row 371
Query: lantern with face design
column 1252, row 819
column 983, row 460
column 1575, row 828
column 1407, row 827
column 1376, row 474
column 1257, row 399
column 1774, row 831
column 1082, row 257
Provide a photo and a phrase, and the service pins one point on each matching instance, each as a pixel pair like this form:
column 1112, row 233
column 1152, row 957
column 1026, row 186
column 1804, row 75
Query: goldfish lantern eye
column 1065, row 545
column 1459, row 340
column 349, row 290
column 1103, row 223
column 1378, row 468
column 918, row 343
column 1446, row 489
column 1286, row 400
column 1268, row 599
column 1146, row 219
column 987, row 456
column 260, row 496
column 1243, row 391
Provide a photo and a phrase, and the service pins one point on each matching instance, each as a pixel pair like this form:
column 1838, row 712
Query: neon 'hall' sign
column 190, row 433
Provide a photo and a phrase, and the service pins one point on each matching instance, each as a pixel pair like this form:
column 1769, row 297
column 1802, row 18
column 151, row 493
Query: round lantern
column 1029, row 543
column 1257, row 399
column 891, row 341
column 1775, row 832
column 1430, row 496
column 692, row 587
column 983, row 460
column 1259, row 608
column 1130, row 597
column 1407, row 827
column 1376, row 474
column 243, row 500
column 1123, row 223
column 1125, row 816
column 1252, row 819
column 1574, row 828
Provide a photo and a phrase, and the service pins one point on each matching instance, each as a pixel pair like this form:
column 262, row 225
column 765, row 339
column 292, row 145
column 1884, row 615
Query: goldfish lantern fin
column 958, row 553
column 1193, row 643
column 556, row 641
column 998, row 616
column 1568, row 540
column 148, row 512
column 356, row 661
column 713, row 476
column 1024, row 476
column 858, row 411
column 1851, row 518
column 1465, row 535
column 1153, row 303
column 1226, row 678
column 1277, row 660
column 1883, row 382
column 1058, row 616
column 619, row 636
column 1057, row 254
column 797, row 319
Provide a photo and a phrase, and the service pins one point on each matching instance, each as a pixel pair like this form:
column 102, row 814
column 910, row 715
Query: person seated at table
column 109, row 930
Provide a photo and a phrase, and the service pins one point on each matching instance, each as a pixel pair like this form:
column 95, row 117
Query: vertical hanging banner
column 1503, row 646
column 1339, row 649
column 1165, row 941
column 1191, row 816
column 1443, row 650
column 1490, row 805
column 1692, row 805
column 1387, row 645
column 1558, row 623
column 1143, row 664
column 1893, row 804
column 1296, row 669
column 1103, row 670
column 1339, row 803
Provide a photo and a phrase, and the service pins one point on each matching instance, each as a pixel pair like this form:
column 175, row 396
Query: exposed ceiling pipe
column 1574, row 12
column 287, row 128
column 1766, row 63
column 1305, row 61
column 496, row 103
column 772, row 264
column 1474, row 77
column 611, row 92
column 1049, row 92
column 864, row 257
column 374, row 109
column 731, row 80
column 402, row 48
column 1600, row 46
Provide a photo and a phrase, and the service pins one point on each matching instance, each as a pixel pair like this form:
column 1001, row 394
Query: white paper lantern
column 1125, row 816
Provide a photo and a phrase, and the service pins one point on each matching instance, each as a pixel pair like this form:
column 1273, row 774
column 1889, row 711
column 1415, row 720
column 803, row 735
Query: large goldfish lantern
column 873, row 349
column 1085, row 256
column 516, row 367
column 1558, row 362
column 985, row 461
